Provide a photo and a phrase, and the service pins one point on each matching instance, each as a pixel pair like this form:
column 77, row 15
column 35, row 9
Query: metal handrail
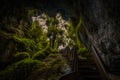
column 99, row 63
column 105, row 74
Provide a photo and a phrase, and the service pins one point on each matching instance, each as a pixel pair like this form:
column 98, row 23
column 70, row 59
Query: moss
column 55, row 60
column 54, row 77
column 35, row 32
column 21, row 55
column 30, row 69
column 21, row 70
column 83, row 51
column 32, row 12
column 40, row 55
column 30, row 41
column 35, row 57
column 44, row 53
column 26, row 42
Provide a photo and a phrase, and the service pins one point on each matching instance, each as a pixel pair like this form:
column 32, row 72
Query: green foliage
column 83, row 50
column 26, row 43
column 28, row 68
column 53, row 31
column 43, row 54
column 56, row 62
column 74, row 32
column 40, row 55
column 21, row 55
column 33, row 57
column 21, row 70
column 54, row 77
column 35, row 30
column 34, row 41
column 36, row 34
column 74, row 35
column 77, row 33
column 32, row 12
column 71, row 28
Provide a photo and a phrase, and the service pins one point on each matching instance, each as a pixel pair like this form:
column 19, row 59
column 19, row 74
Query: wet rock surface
column 102, row 30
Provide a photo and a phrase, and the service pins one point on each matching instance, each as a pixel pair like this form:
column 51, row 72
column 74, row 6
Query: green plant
column 21, row 55
column 22, row 70
column 26, row 43
column 44, row 53
column 40, row 55
column 32, row 12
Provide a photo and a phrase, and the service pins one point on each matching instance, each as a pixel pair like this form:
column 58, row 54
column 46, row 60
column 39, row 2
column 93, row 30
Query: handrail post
column 75, row 60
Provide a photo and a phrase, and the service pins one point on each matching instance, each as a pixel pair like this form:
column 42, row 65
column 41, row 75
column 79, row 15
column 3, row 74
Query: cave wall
column 101, row 24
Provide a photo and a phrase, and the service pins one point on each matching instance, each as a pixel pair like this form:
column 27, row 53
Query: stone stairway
column 87, row 70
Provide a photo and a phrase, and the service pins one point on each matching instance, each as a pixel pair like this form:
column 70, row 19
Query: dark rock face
column 101, row 24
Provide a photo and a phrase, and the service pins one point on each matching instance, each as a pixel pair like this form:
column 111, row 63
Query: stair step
column 83, row 72
column 88, row 78
column 79, row 65
column 86, row 62
column 87, row 68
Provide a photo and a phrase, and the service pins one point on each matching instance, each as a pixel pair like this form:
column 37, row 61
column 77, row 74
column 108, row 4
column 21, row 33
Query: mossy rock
column 21, row 70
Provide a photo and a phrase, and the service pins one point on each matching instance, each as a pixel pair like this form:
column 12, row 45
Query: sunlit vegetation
column 33, row 50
